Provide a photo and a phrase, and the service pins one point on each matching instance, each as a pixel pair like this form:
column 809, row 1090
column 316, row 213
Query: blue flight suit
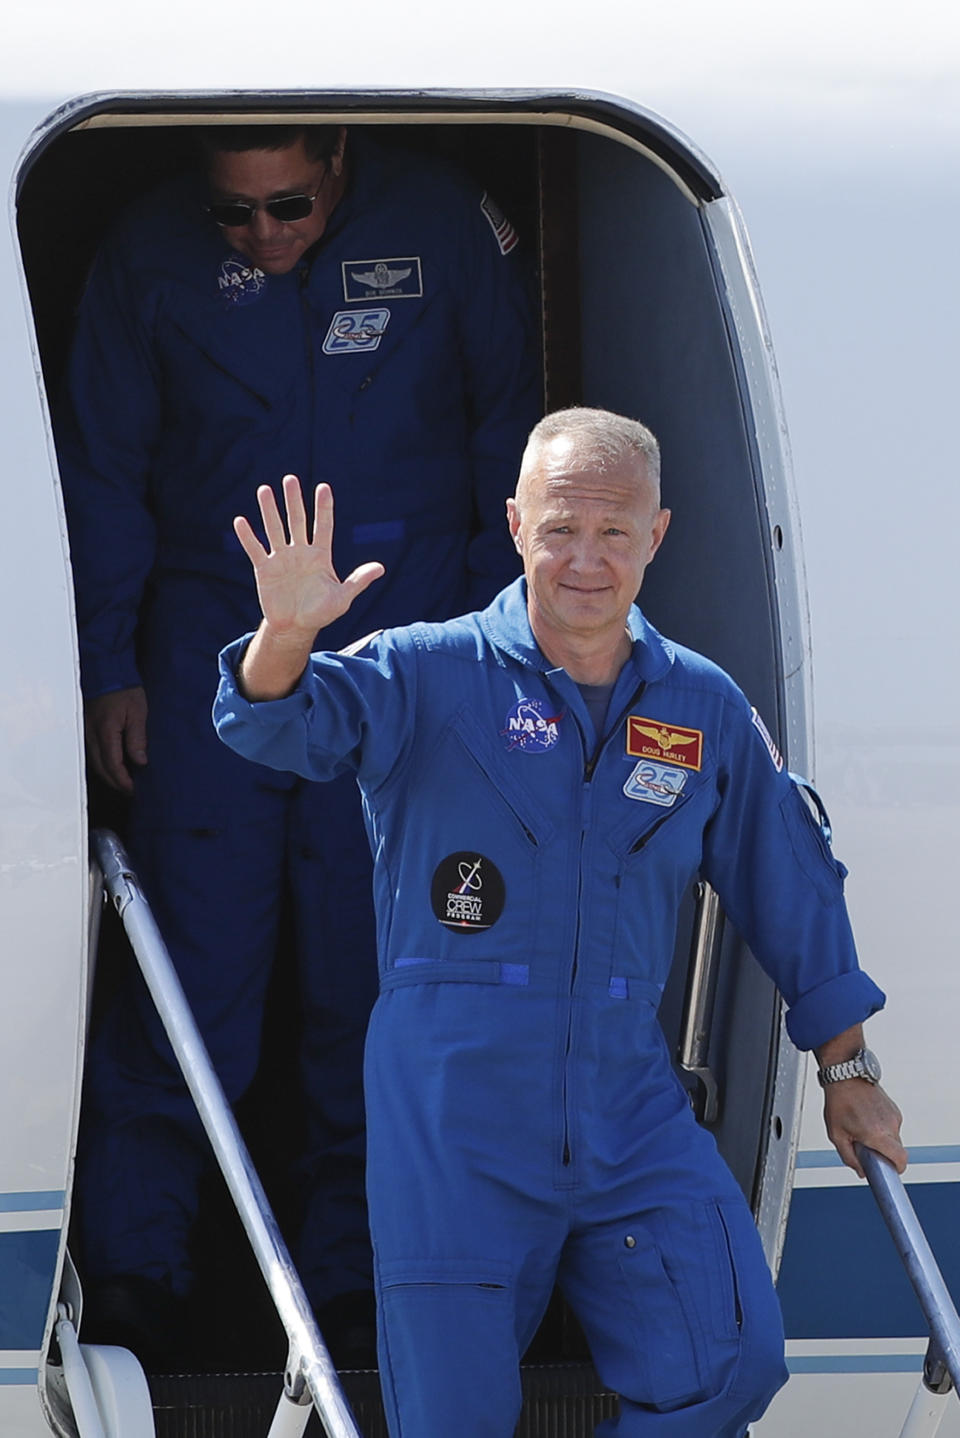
column 397, row 362
column 524, row 1122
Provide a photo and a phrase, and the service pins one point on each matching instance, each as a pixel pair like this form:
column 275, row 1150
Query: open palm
column 297, row 585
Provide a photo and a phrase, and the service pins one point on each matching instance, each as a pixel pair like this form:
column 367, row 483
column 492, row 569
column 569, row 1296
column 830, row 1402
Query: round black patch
column 467, row 892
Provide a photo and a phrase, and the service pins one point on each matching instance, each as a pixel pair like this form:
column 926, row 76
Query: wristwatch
column 864, row 1065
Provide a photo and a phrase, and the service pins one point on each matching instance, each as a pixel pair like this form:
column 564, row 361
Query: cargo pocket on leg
column 644, row 1337
column 449, row 1348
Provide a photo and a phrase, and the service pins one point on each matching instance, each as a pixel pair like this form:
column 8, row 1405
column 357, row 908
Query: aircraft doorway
column 635, row 304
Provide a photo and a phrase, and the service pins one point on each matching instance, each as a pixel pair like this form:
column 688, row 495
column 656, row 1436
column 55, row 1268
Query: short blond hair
column 608, row 438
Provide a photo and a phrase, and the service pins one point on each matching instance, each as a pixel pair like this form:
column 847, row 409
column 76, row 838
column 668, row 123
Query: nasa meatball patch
column 467, row 892
column 530, row 727
column 238, row 282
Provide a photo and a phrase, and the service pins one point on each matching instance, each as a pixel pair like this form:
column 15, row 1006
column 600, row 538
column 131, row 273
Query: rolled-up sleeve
column 833, row 1006
column 781, row 885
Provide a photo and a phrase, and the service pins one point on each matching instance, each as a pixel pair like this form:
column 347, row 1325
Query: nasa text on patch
column 530, row 727
column 352, row 331
column 653, row 739
column 239, row 282
column 395, row 279
column 655, row 783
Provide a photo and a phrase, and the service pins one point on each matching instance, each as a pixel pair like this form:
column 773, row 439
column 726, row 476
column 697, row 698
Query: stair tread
column 561, row 1400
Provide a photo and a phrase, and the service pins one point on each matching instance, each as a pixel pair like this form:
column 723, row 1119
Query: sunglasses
column 231, row 214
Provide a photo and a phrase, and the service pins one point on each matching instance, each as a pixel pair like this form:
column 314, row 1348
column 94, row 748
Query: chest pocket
column 663, row 805
column 499, row 780
column 354, row 342
column 228, row 361
column 467, row 811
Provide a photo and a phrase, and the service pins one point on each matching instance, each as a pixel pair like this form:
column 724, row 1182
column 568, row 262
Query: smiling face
column 256, row 176
column 586, row 532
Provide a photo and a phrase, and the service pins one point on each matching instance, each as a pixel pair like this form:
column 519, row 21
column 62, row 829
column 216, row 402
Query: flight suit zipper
column 589, row 768
column 309, row 357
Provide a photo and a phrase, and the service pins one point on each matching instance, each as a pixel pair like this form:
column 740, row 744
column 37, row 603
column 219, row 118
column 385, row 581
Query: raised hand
column 297, row 585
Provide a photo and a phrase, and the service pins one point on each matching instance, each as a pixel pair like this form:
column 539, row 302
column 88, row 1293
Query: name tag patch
column 652, row 739
column 655, row 783
column 354, row 331
column 394, row 279
column 467, row 892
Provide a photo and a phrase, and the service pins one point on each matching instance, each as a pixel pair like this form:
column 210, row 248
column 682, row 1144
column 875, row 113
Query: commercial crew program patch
column 356, row 331
column 668, row 743
column 467, row 892
column 393, row 279
column 655, row 783
column 506, row 235
column 772, row 750
column 530, row 727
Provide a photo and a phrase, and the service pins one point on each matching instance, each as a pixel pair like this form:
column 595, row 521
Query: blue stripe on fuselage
column 841, row 1276
column 930, row 1153
column 31, row 1202
column 856, row 1363
column 27, row 1265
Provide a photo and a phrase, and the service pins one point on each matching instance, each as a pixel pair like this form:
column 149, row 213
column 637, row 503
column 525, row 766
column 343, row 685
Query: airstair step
column 560, row 1401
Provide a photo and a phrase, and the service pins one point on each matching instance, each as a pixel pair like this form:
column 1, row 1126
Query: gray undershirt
column 597, row 699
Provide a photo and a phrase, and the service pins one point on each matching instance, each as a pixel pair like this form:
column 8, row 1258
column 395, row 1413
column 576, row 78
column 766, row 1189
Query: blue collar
column 507, row 625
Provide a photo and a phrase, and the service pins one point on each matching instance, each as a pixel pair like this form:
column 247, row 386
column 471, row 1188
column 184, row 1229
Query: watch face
column 872, row 1065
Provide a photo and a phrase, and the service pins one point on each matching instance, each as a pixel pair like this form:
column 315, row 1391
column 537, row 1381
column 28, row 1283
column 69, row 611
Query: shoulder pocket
column 808, row 839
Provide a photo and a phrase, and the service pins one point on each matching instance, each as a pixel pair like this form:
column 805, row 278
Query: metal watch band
column 863, row 1065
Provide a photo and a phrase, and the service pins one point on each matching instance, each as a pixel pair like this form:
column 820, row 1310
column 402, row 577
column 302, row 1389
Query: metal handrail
column 693, row 1049
column 83, row 1402
column 309, row 1366
column 917, row 1255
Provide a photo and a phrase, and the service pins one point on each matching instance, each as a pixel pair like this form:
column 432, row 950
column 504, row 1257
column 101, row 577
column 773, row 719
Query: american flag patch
column 772, row 749
column 506, row 235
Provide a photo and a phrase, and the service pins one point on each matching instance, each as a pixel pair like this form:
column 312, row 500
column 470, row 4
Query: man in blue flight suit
column 363, row 313
column 541, row 781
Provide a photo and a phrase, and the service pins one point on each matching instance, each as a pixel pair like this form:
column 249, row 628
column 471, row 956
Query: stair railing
column 941, row 1368
column 310, row 1379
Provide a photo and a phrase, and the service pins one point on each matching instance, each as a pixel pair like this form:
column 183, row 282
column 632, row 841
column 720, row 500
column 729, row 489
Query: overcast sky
column 678, row 54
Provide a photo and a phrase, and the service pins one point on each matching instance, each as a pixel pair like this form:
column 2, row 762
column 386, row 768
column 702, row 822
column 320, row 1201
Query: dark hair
column 319, row 141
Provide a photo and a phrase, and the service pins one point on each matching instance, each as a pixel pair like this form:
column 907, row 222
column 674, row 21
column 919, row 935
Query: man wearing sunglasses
column 273, row 205
column 315, row 303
